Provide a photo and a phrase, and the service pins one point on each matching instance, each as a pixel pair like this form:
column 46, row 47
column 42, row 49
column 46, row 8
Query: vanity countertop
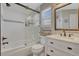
column 69, row 39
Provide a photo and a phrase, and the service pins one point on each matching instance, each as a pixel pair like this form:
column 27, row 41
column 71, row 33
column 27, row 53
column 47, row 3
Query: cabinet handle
column 69, row 48
column 51, row 50
column 51, row 42
column 47, row 55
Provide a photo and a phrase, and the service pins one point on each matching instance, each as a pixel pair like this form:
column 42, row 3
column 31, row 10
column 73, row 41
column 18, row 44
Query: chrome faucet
column 4, row 38
column 64, row 32
column 5, row 43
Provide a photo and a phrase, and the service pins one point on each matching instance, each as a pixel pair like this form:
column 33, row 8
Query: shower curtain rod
column 26, row 7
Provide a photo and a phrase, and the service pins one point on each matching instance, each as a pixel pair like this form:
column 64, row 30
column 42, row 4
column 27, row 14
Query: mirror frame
column 61, row 6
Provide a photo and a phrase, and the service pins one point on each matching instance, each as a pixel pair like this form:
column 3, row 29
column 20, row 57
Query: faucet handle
column 3, row 38
column 70, row 35
column 60, row 34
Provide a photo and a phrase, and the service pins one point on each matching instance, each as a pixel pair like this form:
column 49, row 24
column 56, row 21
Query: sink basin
column 70, row 39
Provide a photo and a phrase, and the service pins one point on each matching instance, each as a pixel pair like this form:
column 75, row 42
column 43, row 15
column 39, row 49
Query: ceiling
column 20, row 9
column 71, row 6
column 35, row 6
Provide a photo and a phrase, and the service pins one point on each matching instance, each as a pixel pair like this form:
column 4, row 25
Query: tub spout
column 5, row 43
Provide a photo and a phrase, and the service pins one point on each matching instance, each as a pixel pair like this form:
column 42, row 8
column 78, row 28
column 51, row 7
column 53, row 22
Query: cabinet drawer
column 51, row 42
column 50, row 51
column 69, row 47
column 55, row 43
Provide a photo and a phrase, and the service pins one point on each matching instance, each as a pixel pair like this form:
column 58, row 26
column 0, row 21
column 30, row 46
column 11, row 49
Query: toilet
column 38, row 49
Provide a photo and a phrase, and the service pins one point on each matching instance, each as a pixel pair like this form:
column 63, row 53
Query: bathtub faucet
column 5, row 43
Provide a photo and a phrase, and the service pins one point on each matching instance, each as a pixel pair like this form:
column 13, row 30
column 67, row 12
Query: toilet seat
column 37, row 46
column 37, row 49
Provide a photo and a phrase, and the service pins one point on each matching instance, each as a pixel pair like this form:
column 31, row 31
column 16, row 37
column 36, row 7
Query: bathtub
column 19, row 51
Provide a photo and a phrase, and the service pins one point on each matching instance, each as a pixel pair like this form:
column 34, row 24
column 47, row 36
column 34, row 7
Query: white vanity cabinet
column 57, row 47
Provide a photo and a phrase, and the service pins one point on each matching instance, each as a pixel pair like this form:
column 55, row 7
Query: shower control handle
column 4, row 38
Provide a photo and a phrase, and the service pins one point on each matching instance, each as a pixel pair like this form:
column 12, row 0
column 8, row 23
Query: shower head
column 8, row 5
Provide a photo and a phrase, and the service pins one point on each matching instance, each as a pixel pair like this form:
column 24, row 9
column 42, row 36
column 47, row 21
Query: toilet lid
column 37, row 46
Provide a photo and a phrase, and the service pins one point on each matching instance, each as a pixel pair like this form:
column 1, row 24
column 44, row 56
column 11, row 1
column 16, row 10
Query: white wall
column 15, row 32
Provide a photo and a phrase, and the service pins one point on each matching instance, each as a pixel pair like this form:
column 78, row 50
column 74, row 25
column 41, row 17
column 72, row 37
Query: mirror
column 45, row 22
column 66, row 17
